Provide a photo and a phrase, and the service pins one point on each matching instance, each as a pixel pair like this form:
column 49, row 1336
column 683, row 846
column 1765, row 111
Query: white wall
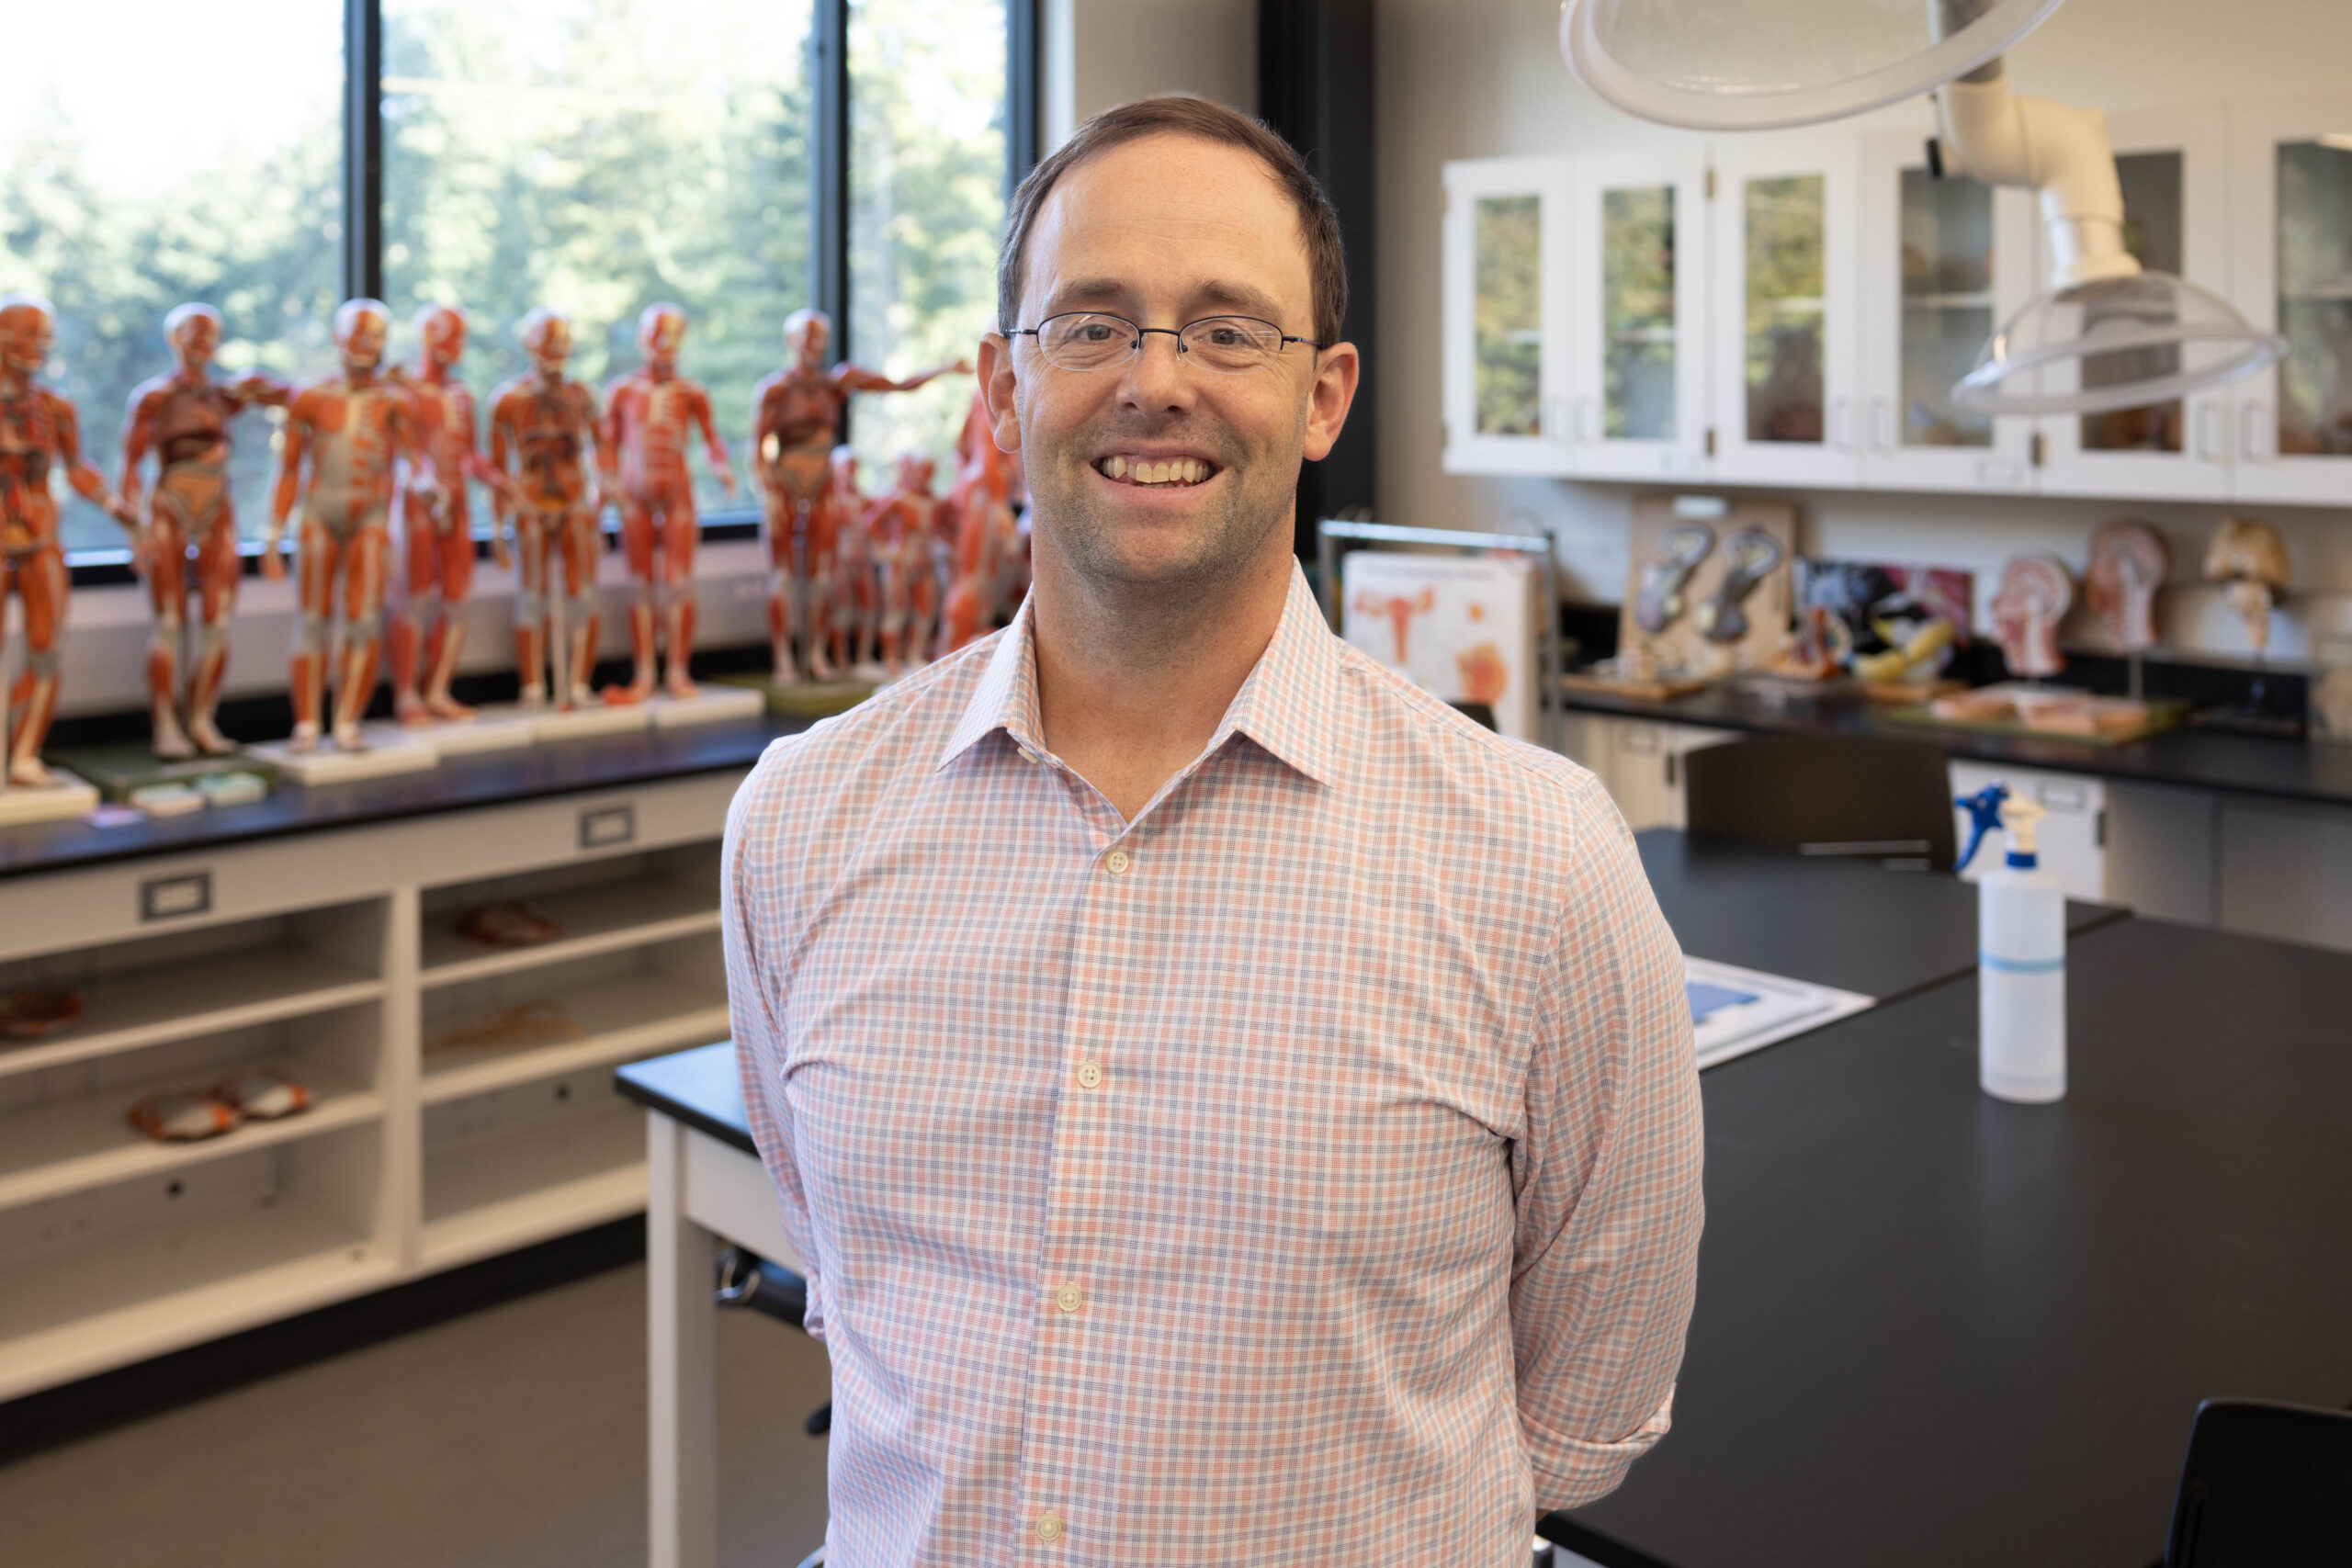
column 1483, row 78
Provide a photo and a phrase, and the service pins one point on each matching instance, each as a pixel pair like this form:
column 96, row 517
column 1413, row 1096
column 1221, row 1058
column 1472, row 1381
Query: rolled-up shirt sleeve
column 751, row 912
column 1605, row 1175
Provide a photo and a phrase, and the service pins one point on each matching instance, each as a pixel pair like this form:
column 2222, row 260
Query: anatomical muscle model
column 345, row 437
column 541, row 427
column 649, row 415
column 38, row 431
column 980, row 505
column 437, row 541
column 846, row 608
column 184, row 418
column 902, row 526
column 796, row 424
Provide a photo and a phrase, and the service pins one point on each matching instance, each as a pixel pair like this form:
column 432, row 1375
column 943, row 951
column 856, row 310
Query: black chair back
column 1825, row 795
column 2263, row 1485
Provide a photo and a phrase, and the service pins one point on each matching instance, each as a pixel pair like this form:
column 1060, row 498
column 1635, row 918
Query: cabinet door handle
column 2213, row 435
column 2254, row 420
column 1842, row 424
column 1882, row 424
column 1588, row 420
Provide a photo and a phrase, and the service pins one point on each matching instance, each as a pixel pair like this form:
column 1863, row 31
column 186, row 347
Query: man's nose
column 1158, row 379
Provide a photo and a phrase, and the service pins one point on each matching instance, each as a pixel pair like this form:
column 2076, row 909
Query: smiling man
column 1231, row 1110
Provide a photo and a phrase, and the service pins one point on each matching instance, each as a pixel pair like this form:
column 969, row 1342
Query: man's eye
column 1096, row 332
column 1226, row 337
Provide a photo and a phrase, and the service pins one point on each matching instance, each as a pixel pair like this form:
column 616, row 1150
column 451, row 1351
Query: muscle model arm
column 282, row 494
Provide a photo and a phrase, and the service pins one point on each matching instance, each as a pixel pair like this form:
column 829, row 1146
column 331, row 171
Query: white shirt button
column 1050, row 1526
column 1090, row 1074
column 1069, row 1298
column 1116, row 862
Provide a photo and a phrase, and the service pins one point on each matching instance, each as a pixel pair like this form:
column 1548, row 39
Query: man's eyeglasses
column 1088, row 340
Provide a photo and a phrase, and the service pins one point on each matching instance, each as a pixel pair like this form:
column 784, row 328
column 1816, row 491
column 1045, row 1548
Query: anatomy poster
column 1461, row 627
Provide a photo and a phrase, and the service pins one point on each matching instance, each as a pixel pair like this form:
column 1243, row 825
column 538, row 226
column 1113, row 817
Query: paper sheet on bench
column 1736, row 1011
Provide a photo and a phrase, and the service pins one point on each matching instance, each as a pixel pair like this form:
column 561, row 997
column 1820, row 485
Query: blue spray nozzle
column 1983, row 810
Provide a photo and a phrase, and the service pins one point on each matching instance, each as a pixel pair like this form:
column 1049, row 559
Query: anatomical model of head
column 2129, row 562
column 2034, row 593
column 2251, row 558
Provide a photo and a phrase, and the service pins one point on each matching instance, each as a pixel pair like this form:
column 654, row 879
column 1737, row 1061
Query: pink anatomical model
column 980, row 505
column 183, row 419
column 650, row 414
column 39, row 431
column 796, row 424
column 543, row 432
column 845, row 622
column 437, row 541
column 345, row 436
column 2033, row 597
column 902, row 525
column 2128, row 564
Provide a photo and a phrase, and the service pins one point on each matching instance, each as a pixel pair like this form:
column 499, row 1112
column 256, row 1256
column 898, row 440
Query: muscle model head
column 545, row 336
column 660, row 332
column 27, row 323
column 441, row 335
column 806, row 333
column 360, row 326
column 194, row 332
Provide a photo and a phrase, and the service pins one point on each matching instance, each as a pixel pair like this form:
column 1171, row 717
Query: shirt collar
column 1284, row 705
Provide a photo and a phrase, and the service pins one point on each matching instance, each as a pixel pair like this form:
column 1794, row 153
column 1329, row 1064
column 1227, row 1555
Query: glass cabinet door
column 1506, row 317
column 2170, row 164
column 1638, row 228
column 1786, row 312
column 1944, row 263
column 2291, row 216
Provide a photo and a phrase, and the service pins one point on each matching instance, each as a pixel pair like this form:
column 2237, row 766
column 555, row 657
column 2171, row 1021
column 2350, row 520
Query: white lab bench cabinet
column 1791, row 309
column 461, row 1093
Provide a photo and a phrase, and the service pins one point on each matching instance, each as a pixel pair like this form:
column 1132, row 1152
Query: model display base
column 115, row 770
column 712, row 704
column 332, row 764
column 502, row 727
column 66, row 795
column 574, row 724
column 802, row 699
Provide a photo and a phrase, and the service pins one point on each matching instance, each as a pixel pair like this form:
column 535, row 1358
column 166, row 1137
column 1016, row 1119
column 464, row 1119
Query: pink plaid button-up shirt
column 1306, row 1171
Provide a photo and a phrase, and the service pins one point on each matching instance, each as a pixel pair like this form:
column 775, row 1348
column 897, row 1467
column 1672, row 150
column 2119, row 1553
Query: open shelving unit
column 461, row 1102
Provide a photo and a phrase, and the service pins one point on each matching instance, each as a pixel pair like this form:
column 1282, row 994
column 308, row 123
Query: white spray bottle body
column 2021, row 970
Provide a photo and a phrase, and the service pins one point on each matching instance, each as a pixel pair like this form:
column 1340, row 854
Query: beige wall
column 1482, row 78
column 1101, row 52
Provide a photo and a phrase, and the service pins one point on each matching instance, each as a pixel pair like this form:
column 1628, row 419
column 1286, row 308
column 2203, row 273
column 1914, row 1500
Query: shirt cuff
column 1571, row 1472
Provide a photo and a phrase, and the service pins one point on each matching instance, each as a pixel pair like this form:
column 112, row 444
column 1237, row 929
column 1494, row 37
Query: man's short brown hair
column 1180, row 114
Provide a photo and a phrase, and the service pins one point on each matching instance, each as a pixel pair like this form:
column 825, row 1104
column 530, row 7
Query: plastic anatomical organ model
column 649, row 415
column 796, row 424
column 2250, row 559
column 39, row 431
column 542, row 428
column 344, row 438
column 183, row 419
column 981, row 507
column 2128, row 564
column 2031, row 598
column 437, row 541
column 902, row 526
column 847, row 614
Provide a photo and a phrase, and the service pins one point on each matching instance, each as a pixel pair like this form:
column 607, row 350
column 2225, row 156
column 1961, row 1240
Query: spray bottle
column 2020, row 957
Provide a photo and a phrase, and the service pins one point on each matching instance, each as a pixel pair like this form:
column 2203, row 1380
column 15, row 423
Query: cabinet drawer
column 570, row 828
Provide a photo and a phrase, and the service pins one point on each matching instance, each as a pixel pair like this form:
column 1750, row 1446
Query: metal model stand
column 1329, row 530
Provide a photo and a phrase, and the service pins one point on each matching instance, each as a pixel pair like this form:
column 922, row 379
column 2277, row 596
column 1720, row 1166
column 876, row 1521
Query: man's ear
column 1328, row 400
column 999, row 388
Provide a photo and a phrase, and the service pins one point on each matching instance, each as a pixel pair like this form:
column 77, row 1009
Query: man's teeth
column 1171, row 471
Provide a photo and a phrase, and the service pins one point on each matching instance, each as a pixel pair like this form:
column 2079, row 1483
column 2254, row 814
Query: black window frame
column 829, row 194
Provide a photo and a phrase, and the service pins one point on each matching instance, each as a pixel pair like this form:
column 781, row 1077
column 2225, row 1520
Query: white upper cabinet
column 2290, row 207
column 1944, row 263
column 2173, row 165
column 1787, row 311
column 1506, row 317
column 1638, row 315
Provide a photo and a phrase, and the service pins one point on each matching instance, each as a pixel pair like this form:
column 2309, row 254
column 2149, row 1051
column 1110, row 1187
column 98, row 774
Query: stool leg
column 682, row 1396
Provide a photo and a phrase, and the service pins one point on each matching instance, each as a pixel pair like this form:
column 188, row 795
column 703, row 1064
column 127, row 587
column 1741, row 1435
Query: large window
column 150, row 155
column 593, row 155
